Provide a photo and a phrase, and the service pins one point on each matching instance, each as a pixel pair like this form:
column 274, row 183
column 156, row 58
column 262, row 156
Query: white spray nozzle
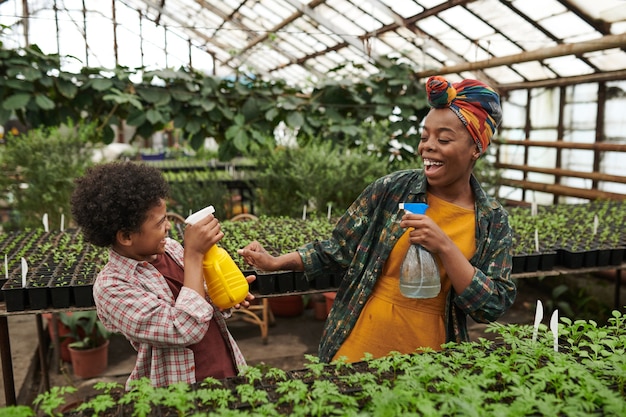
column 193, row 218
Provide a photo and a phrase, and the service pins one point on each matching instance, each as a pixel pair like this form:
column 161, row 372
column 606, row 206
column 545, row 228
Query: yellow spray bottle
column 225, row 282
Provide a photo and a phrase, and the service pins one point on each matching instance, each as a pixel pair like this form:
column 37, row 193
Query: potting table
column 5, row 347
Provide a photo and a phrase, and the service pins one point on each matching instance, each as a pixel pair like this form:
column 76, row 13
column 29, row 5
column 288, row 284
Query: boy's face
column 150, row 240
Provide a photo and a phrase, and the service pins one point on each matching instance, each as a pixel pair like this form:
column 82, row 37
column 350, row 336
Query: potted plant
column 89, row 352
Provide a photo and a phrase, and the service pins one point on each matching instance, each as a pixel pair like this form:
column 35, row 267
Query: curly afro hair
column 114, row 197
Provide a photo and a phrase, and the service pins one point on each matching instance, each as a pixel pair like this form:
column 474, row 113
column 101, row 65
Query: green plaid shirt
column 364, row 237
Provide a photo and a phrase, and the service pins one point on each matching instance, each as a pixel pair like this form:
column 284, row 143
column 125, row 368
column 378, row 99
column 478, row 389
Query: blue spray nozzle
column 415, row 208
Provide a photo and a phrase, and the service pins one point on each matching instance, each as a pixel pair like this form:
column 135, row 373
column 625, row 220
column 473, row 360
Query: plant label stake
column 6, row 267
column 62, row 221
column 45, row 222
column 304, row 212
column 554, row 326
column 24, row 272
column 538, row 318
column 536, row 240
column 330, row 205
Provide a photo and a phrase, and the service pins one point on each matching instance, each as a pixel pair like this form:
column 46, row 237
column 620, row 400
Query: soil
column 290, row 339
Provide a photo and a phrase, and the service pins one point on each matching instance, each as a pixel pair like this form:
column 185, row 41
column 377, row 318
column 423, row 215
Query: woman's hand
column 425, row 232
column 256, row 256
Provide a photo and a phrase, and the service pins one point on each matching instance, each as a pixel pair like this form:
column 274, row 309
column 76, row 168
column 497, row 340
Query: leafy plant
column 85, row 328
column 314, row 176
column 49, row 401
column 39, row 169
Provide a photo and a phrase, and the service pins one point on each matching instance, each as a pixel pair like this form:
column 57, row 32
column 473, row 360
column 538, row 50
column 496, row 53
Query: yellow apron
column 392, row 322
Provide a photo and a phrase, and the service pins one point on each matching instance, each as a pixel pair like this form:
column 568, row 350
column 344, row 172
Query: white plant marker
column 330, row 206
column 554, row 326
column 304, row 212
column 536, row 240
column 538, row 318
column 45, row 222
column 24, row 272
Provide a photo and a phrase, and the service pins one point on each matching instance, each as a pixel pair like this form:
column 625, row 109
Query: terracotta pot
column 89, row 363
column 62, row 330
column 320, row 311
column 330, row 299
column 287, row 306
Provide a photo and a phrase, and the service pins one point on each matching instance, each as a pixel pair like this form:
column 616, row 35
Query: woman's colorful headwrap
column 475, row 103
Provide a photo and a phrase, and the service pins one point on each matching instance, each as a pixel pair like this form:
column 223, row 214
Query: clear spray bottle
column 419, row 273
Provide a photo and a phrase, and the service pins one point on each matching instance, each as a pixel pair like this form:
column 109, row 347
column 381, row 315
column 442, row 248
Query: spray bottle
column 419, row 274
column 225, row 282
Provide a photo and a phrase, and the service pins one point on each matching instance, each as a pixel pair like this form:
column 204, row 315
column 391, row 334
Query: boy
column 152, row 290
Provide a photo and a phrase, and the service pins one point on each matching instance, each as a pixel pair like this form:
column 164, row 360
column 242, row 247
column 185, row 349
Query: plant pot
column 89, row 363
column 330, row 299
column 518, row 264
column 547, row 261
column 532, row 262
column 285, row 282
column 266, row 283
column 62, row 330
column 83, row 294
column 287, row 305
column 573, row 260
column 322, row 282
column 60, row 292
column 590, row 258
column 2, row 282
column 604, row 256
column 617, row 256
column 301, row 283
column 38, row 294
column 320, row 310
column 15, row 297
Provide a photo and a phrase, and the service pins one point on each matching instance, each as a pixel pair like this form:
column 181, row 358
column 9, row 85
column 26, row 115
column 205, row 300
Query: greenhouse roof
column 508, row 43
column 504, row 42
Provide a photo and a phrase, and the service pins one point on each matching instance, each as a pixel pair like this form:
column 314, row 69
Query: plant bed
column 510, row 375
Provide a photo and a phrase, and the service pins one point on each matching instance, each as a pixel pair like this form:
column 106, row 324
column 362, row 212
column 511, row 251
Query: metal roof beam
column 619, row 75
column 406, row 23
column 606, row 42
column 336, row 30
column 264, row 36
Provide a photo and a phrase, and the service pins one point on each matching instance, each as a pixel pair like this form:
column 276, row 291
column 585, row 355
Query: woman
column 467, row 232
